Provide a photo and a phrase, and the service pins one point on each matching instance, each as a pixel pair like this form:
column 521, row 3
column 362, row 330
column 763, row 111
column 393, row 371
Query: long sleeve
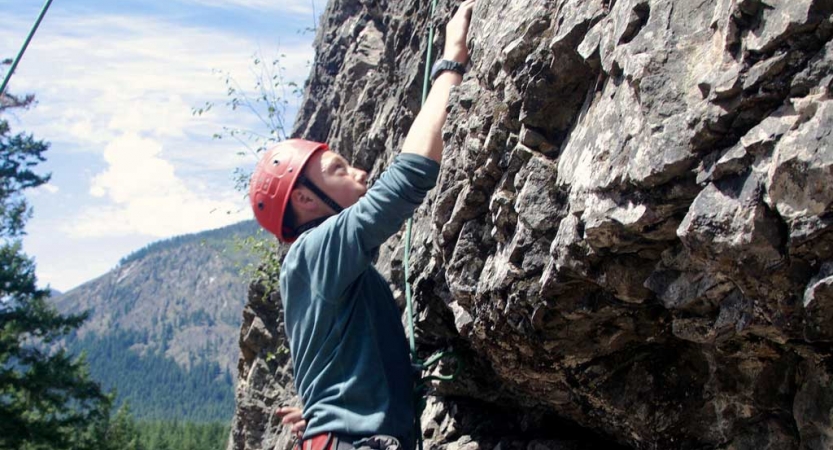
column 341, row 248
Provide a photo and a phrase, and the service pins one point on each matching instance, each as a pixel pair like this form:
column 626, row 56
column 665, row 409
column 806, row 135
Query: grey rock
column 780, row 20
column 813, row 406
column 632, row 225
column 538, row 196
column 732, row 161
column 265, row 381
column 819, row 68
column 800, row 178
column 695, row 329
column 755, row 146
column 462, row 319
column 736, row 313
column 765, row 70
column 697, row 291
column 727, row 84
column 818, row 306
column 733, row 210
column 762, row 138
column 258, row 336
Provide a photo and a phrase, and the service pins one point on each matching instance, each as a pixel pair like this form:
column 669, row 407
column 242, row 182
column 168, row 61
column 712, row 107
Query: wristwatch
column 445, row 65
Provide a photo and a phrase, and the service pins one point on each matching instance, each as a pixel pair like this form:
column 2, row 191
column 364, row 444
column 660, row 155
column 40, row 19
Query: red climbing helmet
column 273, row 180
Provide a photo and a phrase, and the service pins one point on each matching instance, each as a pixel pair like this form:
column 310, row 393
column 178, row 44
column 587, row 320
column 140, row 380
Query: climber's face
column 335, row 176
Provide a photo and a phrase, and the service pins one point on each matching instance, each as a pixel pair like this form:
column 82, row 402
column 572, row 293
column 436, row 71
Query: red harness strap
column 322, row 441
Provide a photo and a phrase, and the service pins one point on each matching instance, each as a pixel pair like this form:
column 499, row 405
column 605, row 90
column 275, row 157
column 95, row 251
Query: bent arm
column 340, row 249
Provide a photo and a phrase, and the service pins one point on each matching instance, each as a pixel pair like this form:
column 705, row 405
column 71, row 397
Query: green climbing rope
column 426, row 82
column 419, row 366
column 25, row 46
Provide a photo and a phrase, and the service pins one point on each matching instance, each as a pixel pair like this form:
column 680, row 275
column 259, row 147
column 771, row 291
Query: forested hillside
column 163, row 324
column 156, row 386
column 182, row 436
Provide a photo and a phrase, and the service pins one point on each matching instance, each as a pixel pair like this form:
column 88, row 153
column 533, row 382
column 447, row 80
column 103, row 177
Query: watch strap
column 444, row 65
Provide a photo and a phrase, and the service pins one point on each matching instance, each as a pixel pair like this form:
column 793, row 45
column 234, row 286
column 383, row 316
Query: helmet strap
column 304, row 181
column 310, row 225
column 320, row 194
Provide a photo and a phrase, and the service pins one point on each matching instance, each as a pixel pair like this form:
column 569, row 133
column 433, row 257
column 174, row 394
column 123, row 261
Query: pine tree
column 123, row 433
column 47, row 399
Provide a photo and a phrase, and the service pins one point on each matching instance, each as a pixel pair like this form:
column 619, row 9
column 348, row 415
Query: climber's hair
column 289, row 219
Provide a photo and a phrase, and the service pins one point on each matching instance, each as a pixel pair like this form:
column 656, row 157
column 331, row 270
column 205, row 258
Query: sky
column 116, row 84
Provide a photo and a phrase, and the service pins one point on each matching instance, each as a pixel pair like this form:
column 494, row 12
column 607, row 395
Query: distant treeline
column 220, row 235
column 178, row 435
column 156, row 387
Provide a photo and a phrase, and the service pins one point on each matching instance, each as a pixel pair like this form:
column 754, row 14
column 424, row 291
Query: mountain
column 164, row 323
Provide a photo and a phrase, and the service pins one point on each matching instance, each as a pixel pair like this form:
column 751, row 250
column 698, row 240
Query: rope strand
column 421, row 387
column 25, row 46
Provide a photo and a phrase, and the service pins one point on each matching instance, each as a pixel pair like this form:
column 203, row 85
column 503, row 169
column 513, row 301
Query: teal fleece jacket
column 349, row 350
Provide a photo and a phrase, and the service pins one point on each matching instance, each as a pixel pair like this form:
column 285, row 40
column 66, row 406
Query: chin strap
column 310, row 225
column 304, row 181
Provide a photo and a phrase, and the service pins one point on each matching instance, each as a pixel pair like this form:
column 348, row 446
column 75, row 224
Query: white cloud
column 115, row 95
column 45, row 189
column 160, row 116
column 135, row 170
column 139, row 79
column 286, row 6
column 147, row 197
column 158, row 216
column 137, row 74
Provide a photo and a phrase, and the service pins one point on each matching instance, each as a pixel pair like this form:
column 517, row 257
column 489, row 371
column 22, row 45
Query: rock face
column 633, row 229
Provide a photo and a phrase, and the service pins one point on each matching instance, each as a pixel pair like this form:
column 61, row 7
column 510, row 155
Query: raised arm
column 425, row 136
column 340, row 249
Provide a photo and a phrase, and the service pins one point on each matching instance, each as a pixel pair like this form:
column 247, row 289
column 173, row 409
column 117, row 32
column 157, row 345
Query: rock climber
column 349, row 351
